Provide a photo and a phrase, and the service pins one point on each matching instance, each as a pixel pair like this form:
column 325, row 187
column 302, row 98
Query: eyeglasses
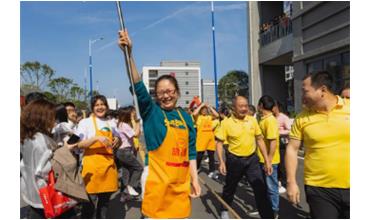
column 168, row 92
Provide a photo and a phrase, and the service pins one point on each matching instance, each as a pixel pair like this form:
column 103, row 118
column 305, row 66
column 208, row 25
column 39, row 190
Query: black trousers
column 281, row 168
column 328, row 202
column 211, row 156
column 130, row 167
column 236, row 168
column 97, row 206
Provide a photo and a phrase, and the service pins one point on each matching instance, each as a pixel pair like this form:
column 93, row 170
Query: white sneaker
column 211, row 174
column 282, row 190
column 132, row 191
column 225, row 215
column 206, row 160
column 253, row 212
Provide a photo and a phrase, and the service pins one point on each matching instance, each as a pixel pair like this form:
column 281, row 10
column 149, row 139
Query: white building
column 187, row 73
column 112, row 103
column 208, row 92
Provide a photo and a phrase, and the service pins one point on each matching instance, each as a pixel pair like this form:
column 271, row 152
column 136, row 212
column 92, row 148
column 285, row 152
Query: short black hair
column 170, row 78
column 321, row 78
column 33, row 96
column 96, row 98
column 69, row 104
column 267, row 102
column 61, row 114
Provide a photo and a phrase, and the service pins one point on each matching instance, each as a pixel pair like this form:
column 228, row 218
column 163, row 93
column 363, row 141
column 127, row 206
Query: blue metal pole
column 90, row 67
column 214, row 56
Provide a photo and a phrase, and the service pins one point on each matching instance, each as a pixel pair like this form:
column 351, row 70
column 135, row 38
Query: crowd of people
column 258, row 143
column 276, row 28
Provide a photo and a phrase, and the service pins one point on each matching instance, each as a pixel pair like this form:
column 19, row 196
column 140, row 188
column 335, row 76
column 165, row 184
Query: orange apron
column 205, row 135
column 167, row 186
column 99, row 170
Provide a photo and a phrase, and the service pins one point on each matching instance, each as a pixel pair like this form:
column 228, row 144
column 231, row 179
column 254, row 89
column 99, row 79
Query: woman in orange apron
column 99, row 171
column 170, row 176
column 205, row 135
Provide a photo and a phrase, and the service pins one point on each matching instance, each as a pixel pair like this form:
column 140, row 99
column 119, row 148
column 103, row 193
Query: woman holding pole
column 170, row 176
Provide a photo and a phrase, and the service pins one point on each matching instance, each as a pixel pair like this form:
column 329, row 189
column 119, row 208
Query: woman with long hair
column 170, row 176
column 126, row 153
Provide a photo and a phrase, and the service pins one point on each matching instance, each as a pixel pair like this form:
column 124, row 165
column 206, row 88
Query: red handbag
column 55, row 203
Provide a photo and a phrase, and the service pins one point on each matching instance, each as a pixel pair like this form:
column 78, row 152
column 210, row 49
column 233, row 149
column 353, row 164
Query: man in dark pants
column 241, row 131
column 324, row 128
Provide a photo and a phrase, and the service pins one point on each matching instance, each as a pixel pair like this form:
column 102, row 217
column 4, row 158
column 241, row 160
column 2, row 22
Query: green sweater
column 153, row 121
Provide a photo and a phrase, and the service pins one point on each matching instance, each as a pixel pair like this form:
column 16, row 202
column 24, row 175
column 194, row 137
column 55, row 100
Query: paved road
column 207, row 206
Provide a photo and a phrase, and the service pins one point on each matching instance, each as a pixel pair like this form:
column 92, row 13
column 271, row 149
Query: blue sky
column 57, row 34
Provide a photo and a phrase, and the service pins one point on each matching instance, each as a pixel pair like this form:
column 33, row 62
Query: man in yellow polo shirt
column 242, row 132
column 324, row 128
column 270, row 131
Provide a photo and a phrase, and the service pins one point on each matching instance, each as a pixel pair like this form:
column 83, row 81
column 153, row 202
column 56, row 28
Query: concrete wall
column 276, row 48
column 255, row 87
column 320, row 29
column 274, row 84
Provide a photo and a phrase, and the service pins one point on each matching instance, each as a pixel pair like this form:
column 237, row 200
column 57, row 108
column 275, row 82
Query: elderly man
column 241, row 131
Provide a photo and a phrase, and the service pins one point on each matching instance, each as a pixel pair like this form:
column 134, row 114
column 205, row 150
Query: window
column 151, row 92
column 186, row 102
column 187, row 93
column 153, row 73
column 152, row 83
column 186, row 73
column 186, row 83
column 338, row 65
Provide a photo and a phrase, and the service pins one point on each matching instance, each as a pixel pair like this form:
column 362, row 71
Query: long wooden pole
column 231, row 210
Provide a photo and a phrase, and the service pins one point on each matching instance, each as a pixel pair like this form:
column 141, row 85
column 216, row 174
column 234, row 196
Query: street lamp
column 91, row 42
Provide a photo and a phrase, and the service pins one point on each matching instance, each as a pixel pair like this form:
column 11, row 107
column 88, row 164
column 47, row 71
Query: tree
column 50, row 97
column 76, row 92
column 35, row 74
column 234, row 83
column 61, row 87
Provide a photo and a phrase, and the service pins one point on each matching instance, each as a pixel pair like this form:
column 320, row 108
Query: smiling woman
column 99, row 170
column 170, row 166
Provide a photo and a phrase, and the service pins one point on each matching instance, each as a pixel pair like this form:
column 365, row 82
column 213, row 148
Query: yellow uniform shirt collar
column 237, row 119
column 266, row 116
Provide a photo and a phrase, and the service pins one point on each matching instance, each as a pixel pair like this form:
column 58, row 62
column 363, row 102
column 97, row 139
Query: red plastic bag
column 55, row 203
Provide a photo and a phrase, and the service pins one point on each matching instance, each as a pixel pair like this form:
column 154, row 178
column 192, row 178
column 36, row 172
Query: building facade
column 289, row 40
column 187, row 73
column 208, row 92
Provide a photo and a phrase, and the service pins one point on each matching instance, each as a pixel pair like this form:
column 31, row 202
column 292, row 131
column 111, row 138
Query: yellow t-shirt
column 240, row 134
column 270, row 131
column 326, row 138
column 204, row 123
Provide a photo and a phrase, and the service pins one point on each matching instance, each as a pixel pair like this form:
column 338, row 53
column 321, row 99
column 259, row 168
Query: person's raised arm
column 124, row 40
column 291, row 162
column 214, row 112
column 197, row 110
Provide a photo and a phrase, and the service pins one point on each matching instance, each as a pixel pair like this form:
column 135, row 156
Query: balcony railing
column 283, row 28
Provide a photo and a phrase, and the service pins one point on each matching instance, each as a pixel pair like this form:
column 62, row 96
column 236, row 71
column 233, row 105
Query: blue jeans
column 272, row 184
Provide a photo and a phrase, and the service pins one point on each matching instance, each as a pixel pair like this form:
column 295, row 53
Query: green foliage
column 34, row 77
column 234, row 83
column 36, row 74
column 61, row 87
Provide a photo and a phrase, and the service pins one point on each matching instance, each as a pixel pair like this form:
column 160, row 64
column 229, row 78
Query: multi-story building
column 290, row 39
column 187, row 73
column 208, row 92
